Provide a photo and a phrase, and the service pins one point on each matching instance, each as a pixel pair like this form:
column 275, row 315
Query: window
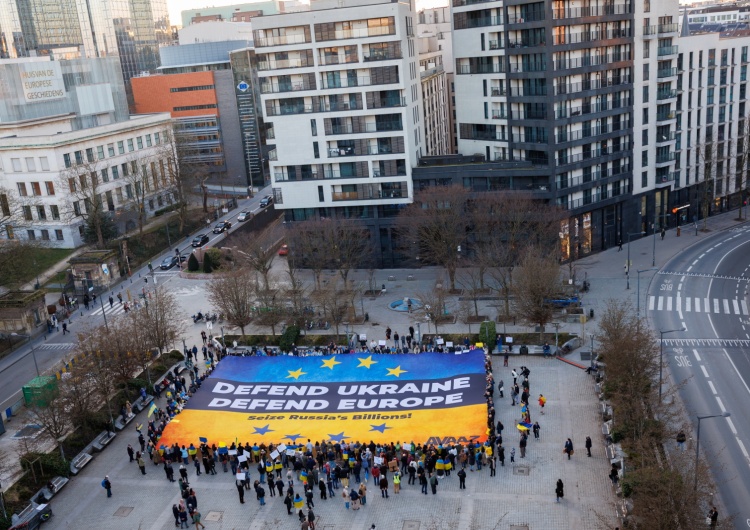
column 130, row 145
column 645, row 116
column 44, row 163
column 157, row 138
column 646, row 50
column 55, row 211
column 4, row 205
column 41, row 213
column 115, row 174
column 118, row 194
column 645, row 72
column 105, row 174
column 22, row 189
column 16, row 162
column 100, row 152
column 644, row 159
column 31, row 235
column 128, row 191
column 72, row 185
column 90, row 154
column 139, row 141
column 125, row 171
column 644, row 179
column 191, row 107
column 191, row 88
column 77, row 208
column 27, row 213
column 121, row 147
column 645, row 94
column 59, row 235
column 111, row 149
column 36, row 189
column 30, row 166
column 148, row 140
column 314, row 127
column 316, row 150
column 66, row 159
column 79, row 157
column 50, row 187
column 644, row 137
column 9, row 231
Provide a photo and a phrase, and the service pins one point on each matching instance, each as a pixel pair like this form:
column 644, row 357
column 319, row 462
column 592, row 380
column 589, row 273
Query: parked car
column 265, row 201
column 171, row 261
column 200, row 240
column 223, row 226
column 562, row 301
column 244, row 216
column 284, row 250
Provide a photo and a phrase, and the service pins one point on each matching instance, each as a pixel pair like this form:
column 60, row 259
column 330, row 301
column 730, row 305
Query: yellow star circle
column 396, row 371
column 330, row 363
column 295, row 374
column 367, row 362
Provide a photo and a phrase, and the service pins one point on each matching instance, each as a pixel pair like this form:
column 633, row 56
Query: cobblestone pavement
column 520, row 497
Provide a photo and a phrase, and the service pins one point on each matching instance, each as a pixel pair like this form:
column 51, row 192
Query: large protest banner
column 428, row 397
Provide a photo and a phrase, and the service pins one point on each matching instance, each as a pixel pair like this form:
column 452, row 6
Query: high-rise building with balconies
column 341, row 94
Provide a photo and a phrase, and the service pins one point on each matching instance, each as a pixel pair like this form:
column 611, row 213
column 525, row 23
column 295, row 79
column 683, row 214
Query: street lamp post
column 638, row 296
column 661, row 354
column 104, row 314
column 698, row 442
column 33, row 350
column 627, row 267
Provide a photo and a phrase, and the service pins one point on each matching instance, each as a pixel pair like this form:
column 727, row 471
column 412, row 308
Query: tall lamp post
column 661, row 354
column 33, row 349
column 627, row 268
column 638, row 296
column 698, row 442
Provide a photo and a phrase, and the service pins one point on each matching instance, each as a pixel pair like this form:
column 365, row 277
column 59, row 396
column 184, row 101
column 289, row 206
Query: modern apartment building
column 68, row 143
column 544, row 89
column 132, row 30
column 436, row 98
column 341, row 92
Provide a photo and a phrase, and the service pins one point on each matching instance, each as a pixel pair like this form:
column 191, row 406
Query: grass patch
column 31, row 261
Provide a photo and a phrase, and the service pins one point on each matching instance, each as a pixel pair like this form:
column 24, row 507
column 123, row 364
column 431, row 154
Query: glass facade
column 132, row 30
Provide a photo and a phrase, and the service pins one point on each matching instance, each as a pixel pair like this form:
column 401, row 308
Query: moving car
column 222, row 227
column 244, row 215
column 171, row 261
column 284, row 250
column 265, row 201
column 199, row 240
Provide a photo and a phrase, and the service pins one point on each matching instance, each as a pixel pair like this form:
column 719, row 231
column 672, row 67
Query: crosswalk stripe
column 687, row 304
column 716, row 305
column 706, row 305
column 726, row 307
column 678, row 303
column 669, row 303
column 651, row 302
column 720, row 306
column 661, row 303
column 744, row 308
column 736, row 307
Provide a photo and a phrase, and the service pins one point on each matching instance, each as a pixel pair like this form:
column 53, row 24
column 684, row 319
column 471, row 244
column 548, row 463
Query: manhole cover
column 123, row 511
column 213, row 516
column 28, row 431
column 521, row 470
column 519, row 527
column 410, row 525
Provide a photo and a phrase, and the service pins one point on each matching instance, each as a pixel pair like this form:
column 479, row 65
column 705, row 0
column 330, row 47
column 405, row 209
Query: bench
column 142, row 404
column 101, row 441
column 44, row 495
column 32, row 516
column 82, row 459
column 120, row 425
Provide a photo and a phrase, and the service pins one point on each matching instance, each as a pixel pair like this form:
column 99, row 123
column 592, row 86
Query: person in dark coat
column 559, row 493
column 241, row 491
column 288, row 502
column 588, row 445
column 462, row 479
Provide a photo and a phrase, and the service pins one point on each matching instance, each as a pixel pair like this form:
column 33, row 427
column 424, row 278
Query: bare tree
column 334, row 305
column 50, row 410
column 270, row 310
column 160, row 319
column 233, row 293
column 434, row 306
column 537, row 282
column 308, row 248
column 257, row 251
column 350, row 246
column 83, row 183
column 435, row 224
column 137, row 187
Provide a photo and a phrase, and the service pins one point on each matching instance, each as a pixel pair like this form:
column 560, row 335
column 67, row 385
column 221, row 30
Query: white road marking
column 705, row 372
column 651, row 302
column 687, row 304
column 660, row 305
column 742, row 448
column 696, row 261
column 713, row 389
column 744, row 307
column 697, row 356
column 716, row 305
column 726, row 307
column 731, row 426
column 721, row 405
column 697, row 305
column 707, row 305
column 669, row 303
column 736, row 306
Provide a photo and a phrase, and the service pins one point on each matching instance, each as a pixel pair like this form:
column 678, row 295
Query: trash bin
column 591, row 313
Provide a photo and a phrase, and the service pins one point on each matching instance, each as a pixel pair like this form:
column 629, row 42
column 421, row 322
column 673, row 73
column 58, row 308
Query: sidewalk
column 521, row 495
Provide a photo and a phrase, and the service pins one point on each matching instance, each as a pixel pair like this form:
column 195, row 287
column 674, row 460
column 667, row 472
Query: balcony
column 383, row 150
column 525, row 44
column 666, row 94
column 383, row 127
column 592, row 11
column 649, row 31
column 497, row 68
column 594, row 84
column 530, row 17
column 348, row 82
column 528, row 67
column 528, row 139
column 381, row 56
column 397, row 173
column 361, row 33
column 664, row 138
column 499, row 115
column 276, row 88
column 341, row 129
column 272, row 155
column 591, row 36
column 565, row 159
column 667, row 50
column 666, row 116
column 281, row 40
column 462, row 3
column 481, row 22
column 309, row 109
column 594, row 60
column 519, row 92
column 496, row 45
column 270, row 134
column 668, row 28
column 287, row 63
column 664, row 158
column 666, row 72
column 498, row 92
column 386, row 103
column 326, row 60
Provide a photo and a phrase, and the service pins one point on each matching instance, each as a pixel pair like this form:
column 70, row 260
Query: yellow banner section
column 436, row 426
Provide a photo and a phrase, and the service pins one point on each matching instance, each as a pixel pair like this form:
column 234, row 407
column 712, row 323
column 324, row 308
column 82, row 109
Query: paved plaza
column 520, row 497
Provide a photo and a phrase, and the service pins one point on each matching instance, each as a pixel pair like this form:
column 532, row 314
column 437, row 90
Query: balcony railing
column 665, row 116
column 666, row 72
column 496, row 45
column 338, row 59
column 649, row 31
column 387, row 103
column 591, row 36
column 381, row 56
column 520, row 92
column 360, row 33
column 525, row 44
column 286, row 63
column 497, row 92
column 383, row 150
column 594, row 60
column 594, row 84
column 666, row 94
column 662, row 138
column 571, row 182
column 309, row 109
column 664, row 158
column 667, row 50
column 275, row 88
column 367, row 195
column 530, row 17
column 592, row 11
column 668, row 28
column 272, row 155
column 281, row 40
column 482, row 22
column 461, row 3
column 565, row 159
column 270, row 134
column 497, row 68
column 347, row 82
column 396, row 173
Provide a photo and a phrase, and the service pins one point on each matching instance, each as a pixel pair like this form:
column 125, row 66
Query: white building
column 216, row 31
column 340, row 87
column 436, row 100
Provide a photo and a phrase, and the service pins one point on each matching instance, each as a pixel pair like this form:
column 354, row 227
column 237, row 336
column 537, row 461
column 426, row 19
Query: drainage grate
column 521, row 470
column 411, row 525
column 519, row 527
column 123, row 511
column 213, row 516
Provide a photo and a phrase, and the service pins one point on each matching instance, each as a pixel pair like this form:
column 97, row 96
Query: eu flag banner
column 428, row 397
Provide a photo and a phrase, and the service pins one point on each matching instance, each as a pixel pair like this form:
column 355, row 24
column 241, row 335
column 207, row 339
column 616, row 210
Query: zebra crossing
column 56, row 346
column 693, row 304
column 116, row 309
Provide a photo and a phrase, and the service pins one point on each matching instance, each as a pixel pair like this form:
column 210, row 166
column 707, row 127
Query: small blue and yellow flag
column 151, row 409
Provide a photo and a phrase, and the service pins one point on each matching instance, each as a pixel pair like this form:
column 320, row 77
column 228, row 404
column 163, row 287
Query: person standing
column 107, row 485
column 493, row 465
column 713, row 516
column 559, row 493
column 461, row 479
column 501, row 455
column 311, row 519
column 422, row 480
column 542, row 402
column 396, row 482
column 345, row 495
column 176, row 513
column 501, row 389
column 434, row 483
column 568, row 448
column 288, row 502
column 514, row 374
column 241, row 491
column 261, row 492
column 363, row 493
column 535, row 430
column 197, row 520
column 131, row 452
column 384, row 487
column 184, row 475
column 619, row 245
column 588, row 445
column 522, row 445
column 183, row 517
column 141, row 463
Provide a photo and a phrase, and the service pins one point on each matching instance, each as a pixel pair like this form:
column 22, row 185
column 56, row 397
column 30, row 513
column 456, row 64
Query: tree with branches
column 84, row 185
column 537, row 282
column 232, row 293
column 161, row 319
column 436, row 224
